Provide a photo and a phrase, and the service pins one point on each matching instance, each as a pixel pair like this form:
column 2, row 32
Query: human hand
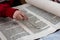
column 19, row 15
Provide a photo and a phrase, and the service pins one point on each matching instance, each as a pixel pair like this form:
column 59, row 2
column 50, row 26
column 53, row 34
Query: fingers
column 24, row 16
column 19, row 15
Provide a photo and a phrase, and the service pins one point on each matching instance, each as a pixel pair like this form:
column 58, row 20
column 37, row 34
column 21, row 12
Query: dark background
column 18, row 2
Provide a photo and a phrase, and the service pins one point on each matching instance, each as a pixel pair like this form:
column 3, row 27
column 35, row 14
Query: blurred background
column 22, row 1
column 18, row 2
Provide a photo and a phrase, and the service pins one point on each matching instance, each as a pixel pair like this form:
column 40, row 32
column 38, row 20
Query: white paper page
column 46, row 5
column 11, row 30
column 37, row 33
column 49, row 6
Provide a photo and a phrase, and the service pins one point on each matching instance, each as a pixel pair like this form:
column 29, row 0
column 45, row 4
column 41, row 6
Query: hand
column 19, row 15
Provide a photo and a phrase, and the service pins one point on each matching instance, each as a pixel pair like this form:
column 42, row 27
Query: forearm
column 3, row 8
column 9, row 12
column 6, row 10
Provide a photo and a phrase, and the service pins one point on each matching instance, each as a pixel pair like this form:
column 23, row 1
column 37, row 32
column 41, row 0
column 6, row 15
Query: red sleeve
column 9, row 12
column 6, row 10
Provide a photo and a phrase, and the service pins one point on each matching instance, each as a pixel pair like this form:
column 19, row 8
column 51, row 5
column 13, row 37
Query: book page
column 51, row 8
column 38, row 25
column 46, row 15
column 11, row 30
column 47, row 5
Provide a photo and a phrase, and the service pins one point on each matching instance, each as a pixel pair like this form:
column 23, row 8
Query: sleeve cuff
column 10, row 12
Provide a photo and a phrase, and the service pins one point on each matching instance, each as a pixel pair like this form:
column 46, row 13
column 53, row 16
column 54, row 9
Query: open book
column 41, row 23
